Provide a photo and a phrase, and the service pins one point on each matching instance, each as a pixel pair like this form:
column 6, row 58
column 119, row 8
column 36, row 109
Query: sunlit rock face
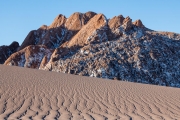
column 30, row 57
column 61, row 30
column 89, row 44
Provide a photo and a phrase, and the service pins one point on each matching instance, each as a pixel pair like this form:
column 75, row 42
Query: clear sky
column 19, row 17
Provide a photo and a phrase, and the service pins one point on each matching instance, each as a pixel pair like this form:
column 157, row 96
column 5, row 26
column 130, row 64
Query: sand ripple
column 35, row 94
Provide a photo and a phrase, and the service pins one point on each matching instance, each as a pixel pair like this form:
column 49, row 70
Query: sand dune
column 35, row 94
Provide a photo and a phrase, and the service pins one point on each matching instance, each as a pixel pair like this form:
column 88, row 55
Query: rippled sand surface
column 35, row 94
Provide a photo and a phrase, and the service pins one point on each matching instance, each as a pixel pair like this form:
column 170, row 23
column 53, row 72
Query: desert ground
column 36, row 94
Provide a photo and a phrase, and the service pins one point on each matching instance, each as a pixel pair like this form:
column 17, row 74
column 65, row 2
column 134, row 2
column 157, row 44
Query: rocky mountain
column 60, row 31
column 89, row 44
column 6, row 51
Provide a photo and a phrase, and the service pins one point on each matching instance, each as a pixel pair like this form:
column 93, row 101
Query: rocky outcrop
column 116, row 22
column 87, row 16
column 114, row 27
column 90, row 45
column 94, row 31
column 89, row 32
column 138, row 23
column 137, row 57
column 6, row 51
column 29, row 40
column 60, row 31
column 74, row 22
column 60, row 20
column 77, row 20
column 29, row 57
column 127, row 23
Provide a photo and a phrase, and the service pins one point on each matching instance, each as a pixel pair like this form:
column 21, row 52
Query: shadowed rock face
column 6, row 51
column 29, row 40
column 88, row 44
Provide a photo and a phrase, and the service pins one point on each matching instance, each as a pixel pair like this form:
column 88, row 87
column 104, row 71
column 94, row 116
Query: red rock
column 74, row 22
column 87, row 16
column 44, row 62
column 29, row 57
column 81, row 38
column 58, row 21
column 90, row 45
column 77, row 20
column 127, row 23
column 138, row 23
column 60, row 31
column 114, row 25
column 116, row 22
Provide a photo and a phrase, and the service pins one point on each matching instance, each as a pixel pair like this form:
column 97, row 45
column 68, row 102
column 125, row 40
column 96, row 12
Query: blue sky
column 19, row 17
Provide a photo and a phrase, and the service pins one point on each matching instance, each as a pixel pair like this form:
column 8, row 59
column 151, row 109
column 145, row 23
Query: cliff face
column 89, row 44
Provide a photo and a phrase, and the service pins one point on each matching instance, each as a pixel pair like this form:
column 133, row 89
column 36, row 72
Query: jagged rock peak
column 74, row 22
column 83, row 36
column 58, row 21
column 77, row 20
column 127, row 19
column 116, row 21
column 127, row 23
column 138, row 23
column 102, row 18
column 87, row 16
column 29, row 40
column 14, row 45
column 90, row 14
column 93, row 31
column 43, row 27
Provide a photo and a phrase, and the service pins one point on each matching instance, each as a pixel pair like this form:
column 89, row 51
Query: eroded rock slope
column 89, row 44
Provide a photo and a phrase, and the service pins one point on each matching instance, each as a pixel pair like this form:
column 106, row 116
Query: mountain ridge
column 89, row 44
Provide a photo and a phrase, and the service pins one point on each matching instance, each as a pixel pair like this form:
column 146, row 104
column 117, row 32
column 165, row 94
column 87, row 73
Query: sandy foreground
column 35, row 94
